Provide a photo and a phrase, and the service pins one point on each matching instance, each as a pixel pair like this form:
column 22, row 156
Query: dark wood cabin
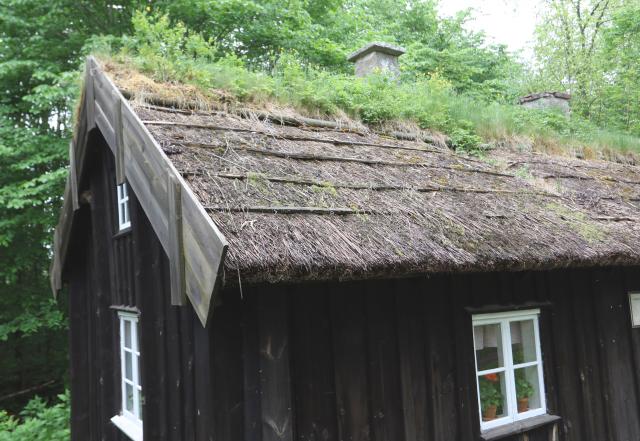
column 244, row 276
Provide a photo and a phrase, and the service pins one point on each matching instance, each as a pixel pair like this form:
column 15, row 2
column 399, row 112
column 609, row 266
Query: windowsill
column 518, row 427
column 124, row 232
column 131, row 429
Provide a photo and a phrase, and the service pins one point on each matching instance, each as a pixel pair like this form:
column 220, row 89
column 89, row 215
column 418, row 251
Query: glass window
column 508, row 367
column 123, row 207
column 130, row 360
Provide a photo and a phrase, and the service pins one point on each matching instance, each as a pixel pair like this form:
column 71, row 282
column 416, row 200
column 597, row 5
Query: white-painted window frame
column 634, row 308
column 130, row 422
column 504, row 319
column 124, row 220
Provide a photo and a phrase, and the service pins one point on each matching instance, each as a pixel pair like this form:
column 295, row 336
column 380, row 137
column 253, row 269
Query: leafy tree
column 619, row 104
column 40, row 53
column 38, row 422
column 569, row 47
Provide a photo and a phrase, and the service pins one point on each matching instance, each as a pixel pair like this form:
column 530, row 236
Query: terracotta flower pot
column 523, row 404
column 489, row 413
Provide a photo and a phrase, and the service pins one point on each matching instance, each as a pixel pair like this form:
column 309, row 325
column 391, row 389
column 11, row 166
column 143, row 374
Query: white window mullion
column 123, row 384
column 136, row 377
column 491, row 371
column 508, row 364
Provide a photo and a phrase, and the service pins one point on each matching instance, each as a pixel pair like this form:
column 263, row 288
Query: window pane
column 129, row 397
column 523, row 342
column 493, row 396
column 527, row 389
column 128, row 366
column 127, row 334
column 488, row 344
column 140, row 400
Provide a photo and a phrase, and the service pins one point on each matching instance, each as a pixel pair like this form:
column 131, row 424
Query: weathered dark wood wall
column 379, row 360
column 109, row 269
column 393, row 360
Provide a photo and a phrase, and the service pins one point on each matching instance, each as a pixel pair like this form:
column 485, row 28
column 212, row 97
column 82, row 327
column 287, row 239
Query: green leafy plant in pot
column 524, row 391
column 490, row 396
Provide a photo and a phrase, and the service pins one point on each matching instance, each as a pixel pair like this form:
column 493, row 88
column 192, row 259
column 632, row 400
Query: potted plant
column 490, row 396
column 524, row 390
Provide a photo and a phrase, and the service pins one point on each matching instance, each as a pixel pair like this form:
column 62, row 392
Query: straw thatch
column 311, row 203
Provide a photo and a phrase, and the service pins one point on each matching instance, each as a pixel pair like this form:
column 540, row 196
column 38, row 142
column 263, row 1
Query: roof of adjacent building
column 384, row 48
column 537, row 96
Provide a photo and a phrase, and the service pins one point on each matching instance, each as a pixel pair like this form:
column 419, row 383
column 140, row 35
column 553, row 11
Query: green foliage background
column 291, row 51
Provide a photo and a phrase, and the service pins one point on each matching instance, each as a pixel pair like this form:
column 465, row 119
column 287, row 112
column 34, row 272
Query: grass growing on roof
column 170, row 53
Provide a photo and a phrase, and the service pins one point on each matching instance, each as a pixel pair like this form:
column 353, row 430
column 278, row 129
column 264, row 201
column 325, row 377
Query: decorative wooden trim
column 120, row 145
column 176, row 243
column 89, row 94
column 145, row 167
column 73, row 177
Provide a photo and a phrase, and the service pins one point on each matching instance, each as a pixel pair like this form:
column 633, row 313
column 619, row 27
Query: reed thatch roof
column 302, row 203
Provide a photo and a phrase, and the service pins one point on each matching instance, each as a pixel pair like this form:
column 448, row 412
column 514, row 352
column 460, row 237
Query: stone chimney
column 377, row 56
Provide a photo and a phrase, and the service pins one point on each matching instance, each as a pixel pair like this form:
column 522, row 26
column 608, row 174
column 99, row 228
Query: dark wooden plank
column 411, row 357
column 187, row 318
column 150, row 279
column 277, row 417
column 312, row 360
column 350, row 362
column 228, row 375
column 78, row 354
column 547, row 341
column 104, row 406
column 632, row 284
column 440, row 361
column 586, row 355
column 384, row 370
column 460, row 296
column 176, row 244
column 612, row 311
column 251, row 368
column 567, row 374
column 203, row 382
column 173, row 364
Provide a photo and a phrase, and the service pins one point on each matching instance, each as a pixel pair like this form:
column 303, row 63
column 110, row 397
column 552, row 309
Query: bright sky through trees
column 510, row 22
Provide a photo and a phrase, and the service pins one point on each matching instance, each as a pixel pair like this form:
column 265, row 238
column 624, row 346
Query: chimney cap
column 384, row 48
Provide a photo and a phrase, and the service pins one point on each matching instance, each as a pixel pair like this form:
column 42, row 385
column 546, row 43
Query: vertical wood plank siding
column 109, row 268
column 393, row 360
column 358, row 361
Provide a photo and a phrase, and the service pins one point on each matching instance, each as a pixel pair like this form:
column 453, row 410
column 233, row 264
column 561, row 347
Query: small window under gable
column 509, row 373
column 130, row 418
column 123, row 207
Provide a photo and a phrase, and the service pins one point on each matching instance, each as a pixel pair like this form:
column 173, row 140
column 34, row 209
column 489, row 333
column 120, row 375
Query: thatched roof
column 301, row 203
column 249, row 196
